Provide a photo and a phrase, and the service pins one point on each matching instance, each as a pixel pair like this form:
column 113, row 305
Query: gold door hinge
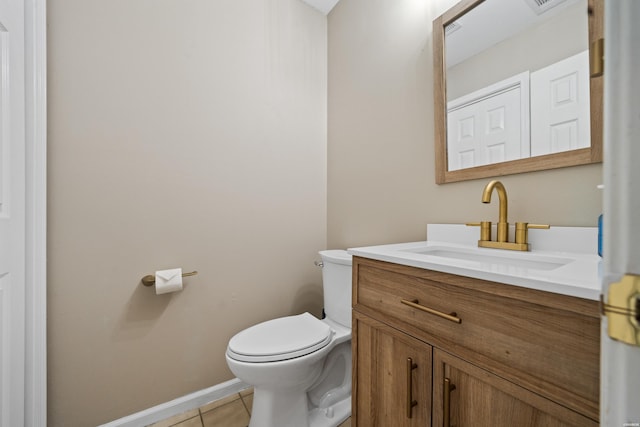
column 623, row 310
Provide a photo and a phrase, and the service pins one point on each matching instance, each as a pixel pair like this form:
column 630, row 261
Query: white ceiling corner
column 323, row 6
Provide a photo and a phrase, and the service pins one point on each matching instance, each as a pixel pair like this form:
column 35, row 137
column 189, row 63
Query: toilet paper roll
column 168, row 281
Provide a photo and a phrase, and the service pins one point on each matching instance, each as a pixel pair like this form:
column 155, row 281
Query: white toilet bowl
column 301, row 381
column 300, row 366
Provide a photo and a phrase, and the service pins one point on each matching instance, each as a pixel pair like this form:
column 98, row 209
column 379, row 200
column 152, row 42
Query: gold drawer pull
column 451, row 316
column 446, row 404
column 410, row 402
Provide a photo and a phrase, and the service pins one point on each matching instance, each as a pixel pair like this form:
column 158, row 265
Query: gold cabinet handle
column 453, row 317
column 446, row 402
column 410, row 402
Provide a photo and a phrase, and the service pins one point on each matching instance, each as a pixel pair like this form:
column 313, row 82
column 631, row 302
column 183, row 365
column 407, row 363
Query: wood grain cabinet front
column 514, row 356
column 466, row 395
column 398, row 368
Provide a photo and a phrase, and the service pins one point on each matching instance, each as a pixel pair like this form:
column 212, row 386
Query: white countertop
column 562, row 260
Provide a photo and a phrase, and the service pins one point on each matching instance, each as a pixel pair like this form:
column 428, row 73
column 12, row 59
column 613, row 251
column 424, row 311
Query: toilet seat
column 280, row 339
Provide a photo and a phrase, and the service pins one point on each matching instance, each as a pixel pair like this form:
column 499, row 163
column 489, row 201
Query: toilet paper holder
column 150, row 279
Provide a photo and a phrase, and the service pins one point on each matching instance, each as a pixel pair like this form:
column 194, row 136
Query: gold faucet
column 502, row 242
column 503, row 224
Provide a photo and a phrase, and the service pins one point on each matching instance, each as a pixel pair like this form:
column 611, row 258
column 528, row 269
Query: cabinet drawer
column 548, row 343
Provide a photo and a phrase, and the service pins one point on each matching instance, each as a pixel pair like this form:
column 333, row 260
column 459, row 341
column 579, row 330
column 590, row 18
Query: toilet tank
column 336, row 285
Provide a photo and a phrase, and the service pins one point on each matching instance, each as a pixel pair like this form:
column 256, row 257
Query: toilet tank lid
column 338, row 256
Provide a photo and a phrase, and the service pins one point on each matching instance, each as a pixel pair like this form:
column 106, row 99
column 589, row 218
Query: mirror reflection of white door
column 560, row 106
column 490, row 125
column 12, row 213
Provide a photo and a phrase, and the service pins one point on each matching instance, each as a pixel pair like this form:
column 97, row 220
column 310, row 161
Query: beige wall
column 381, row 178
column 181, row 133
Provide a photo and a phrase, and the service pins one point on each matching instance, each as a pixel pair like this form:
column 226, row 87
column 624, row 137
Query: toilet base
column 270, row 410
column 332, row 416
column 281, row 409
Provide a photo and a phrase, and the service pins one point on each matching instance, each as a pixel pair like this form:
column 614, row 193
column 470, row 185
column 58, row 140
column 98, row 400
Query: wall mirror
column 514, row 90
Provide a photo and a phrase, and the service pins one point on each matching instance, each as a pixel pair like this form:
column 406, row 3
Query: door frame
column 35, row 401
column 620, row 362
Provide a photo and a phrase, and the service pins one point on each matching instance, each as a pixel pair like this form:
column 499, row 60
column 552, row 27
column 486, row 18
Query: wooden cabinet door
column 391, row 370
column 465, row 395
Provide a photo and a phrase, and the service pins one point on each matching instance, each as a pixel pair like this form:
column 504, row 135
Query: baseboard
column 179, row 405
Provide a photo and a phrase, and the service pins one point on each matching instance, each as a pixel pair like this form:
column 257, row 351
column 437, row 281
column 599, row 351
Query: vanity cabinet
column 396, row 366
column 487, row 354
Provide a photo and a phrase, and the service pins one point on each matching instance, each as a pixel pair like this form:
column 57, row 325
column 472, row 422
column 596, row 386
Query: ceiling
column 494, row 21
column 323, row 6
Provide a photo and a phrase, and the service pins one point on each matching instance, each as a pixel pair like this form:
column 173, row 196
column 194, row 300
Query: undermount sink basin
column 496, row 258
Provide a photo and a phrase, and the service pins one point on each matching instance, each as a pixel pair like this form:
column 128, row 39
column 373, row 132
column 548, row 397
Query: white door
column 12, row 213
column 620, row 377
column 560, row 106
column 490, row 125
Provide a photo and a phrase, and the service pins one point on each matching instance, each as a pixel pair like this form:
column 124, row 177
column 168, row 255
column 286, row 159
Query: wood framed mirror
column 447, row 170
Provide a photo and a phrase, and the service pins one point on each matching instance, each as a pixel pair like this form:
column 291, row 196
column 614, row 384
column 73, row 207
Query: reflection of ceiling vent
column 451, row 28
column 541, row 6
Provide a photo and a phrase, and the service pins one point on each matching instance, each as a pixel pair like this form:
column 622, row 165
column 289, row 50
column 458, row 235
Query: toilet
column 300, row 366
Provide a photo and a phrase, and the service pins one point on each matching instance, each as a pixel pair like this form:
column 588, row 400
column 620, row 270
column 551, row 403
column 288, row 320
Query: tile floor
column 232, row 411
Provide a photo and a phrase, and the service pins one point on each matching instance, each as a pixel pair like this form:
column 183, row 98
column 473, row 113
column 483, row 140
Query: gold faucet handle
column 522, row 235
column 542, row 226
column 485, row 229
